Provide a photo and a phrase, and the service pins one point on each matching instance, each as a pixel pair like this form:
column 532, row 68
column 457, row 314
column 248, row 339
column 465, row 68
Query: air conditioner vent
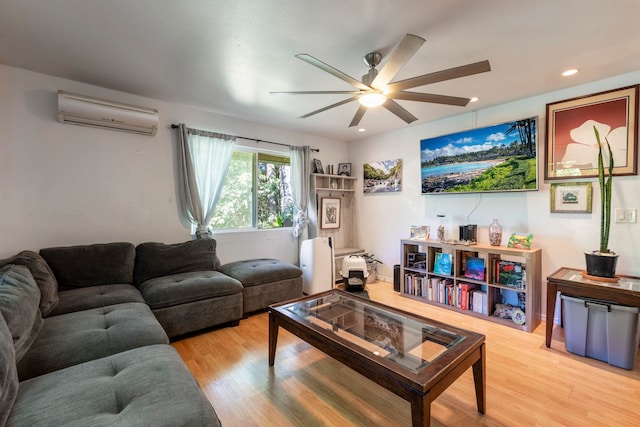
column 87, row 111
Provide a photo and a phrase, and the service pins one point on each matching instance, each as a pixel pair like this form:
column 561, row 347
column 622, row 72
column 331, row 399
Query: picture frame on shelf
column 329, row 213
column 442, row 264
column 344, row 169
column 571, row 147
column 317, row 166
column 571, row 197
column 474, row 268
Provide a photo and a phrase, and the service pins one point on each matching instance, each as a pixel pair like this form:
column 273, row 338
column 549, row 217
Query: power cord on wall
column 475, row 207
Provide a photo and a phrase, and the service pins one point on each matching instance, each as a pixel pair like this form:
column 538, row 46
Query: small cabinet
column 491, row 282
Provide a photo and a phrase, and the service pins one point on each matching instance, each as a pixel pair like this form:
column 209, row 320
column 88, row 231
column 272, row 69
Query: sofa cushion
column 8, row 373
column 159, row 259
column 19, row 304
column 259, row 271
column 175, row 289
column 91, row 265
column 43, row 276
column 72, row 338
column 96, row 296
column 148, row 386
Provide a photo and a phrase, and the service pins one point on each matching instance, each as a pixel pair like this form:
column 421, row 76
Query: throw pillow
column 19, row 305
column 91, row 265
column 159, row 259
column 43, row 276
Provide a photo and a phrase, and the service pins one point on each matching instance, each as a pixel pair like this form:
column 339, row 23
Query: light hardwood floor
column 527, row 384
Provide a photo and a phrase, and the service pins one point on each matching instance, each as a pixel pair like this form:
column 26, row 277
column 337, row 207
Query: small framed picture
column 344, row 169
column 330, row 213
column 317, row 165
column 573, row 197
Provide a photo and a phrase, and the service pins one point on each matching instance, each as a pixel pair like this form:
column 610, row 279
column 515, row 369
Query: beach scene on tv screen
column 494, row 158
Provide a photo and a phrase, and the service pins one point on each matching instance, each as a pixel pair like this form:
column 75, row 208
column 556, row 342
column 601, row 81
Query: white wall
column 66, row 185
column 386, row 218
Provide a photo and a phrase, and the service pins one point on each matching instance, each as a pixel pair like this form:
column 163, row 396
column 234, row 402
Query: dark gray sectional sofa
column 84, row 330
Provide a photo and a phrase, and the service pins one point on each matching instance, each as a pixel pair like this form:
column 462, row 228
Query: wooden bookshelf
column 421, row 280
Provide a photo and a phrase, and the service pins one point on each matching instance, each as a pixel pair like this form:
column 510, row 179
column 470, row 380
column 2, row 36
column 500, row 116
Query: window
column 256, row 193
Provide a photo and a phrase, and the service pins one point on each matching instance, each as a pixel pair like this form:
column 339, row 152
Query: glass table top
column 622, row 282
column 402, row 339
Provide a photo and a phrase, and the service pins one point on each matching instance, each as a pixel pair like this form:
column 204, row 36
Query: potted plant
column 602, row 263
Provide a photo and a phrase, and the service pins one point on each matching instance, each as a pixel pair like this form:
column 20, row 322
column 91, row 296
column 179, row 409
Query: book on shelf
column 442, row 264
column 510, row 273
column 474, row 268
column 479, row 302
column 465, row 295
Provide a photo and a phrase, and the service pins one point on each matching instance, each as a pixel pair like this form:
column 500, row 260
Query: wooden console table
column 570, row 282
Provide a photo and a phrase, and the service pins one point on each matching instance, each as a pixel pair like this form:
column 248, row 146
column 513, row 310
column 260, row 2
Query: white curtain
column 204, row 159
column 300, row 170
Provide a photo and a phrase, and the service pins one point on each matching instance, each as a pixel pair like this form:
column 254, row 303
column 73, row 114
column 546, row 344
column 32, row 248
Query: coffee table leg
column 420, row 411
column 273, row 339
column 479, row 379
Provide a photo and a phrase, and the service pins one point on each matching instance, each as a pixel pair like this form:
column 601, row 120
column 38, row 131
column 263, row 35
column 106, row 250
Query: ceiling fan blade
column 319, row 92
column 329, row 69
column 430, row 97
column 399, row 111
column 440, row 76
column 358, row 116
column 399, row 57
column 328, row 107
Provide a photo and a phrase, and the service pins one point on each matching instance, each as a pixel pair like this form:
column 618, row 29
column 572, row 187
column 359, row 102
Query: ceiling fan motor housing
column 368, row 78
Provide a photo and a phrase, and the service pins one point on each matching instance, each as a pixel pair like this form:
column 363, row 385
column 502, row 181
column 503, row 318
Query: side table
column 571, row 282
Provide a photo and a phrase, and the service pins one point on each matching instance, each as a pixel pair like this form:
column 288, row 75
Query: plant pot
column 601, row 264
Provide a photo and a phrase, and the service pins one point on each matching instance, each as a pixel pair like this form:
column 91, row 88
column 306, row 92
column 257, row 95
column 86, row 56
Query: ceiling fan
column 375, row 89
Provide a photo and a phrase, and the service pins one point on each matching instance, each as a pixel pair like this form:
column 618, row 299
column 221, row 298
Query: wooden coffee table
column 412, row 356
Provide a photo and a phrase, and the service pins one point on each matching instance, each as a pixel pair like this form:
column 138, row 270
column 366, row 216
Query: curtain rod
column 174, row 126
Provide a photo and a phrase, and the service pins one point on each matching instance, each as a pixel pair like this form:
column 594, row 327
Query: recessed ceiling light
column 570, row 72
column 361, row 130
column 474, row 99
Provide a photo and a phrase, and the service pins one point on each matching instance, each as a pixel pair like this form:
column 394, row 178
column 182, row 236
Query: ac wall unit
column 87, row 111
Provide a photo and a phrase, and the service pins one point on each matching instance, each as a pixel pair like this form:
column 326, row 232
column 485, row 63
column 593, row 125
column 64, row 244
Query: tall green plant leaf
column 604, row 180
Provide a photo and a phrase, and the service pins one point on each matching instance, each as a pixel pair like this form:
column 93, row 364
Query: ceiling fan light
column 372, row 99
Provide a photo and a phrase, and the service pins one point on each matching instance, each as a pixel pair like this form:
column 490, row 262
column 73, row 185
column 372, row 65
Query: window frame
column 256, row 152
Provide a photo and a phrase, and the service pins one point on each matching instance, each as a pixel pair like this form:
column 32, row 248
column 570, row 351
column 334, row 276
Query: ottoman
column 265, row 281
column 188, row 302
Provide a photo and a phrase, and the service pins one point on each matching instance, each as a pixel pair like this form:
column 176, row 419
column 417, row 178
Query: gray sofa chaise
column 84, row 330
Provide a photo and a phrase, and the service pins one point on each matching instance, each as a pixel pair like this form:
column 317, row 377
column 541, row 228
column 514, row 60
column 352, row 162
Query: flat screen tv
column 490, row 159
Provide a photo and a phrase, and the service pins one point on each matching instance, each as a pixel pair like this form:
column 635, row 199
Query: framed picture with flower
column 571, row 145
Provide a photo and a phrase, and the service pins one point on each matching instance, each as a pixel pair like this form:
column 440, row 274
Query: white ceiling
column 225, row 56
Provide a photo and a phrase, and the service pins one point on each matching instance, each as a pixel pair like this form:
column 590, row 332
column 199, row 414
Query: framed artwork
column 495, row 158
column 317, row 165
column 382, row 177
column 571, row 145
column 344, row 169
column 329, row 213
column 572, row 197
